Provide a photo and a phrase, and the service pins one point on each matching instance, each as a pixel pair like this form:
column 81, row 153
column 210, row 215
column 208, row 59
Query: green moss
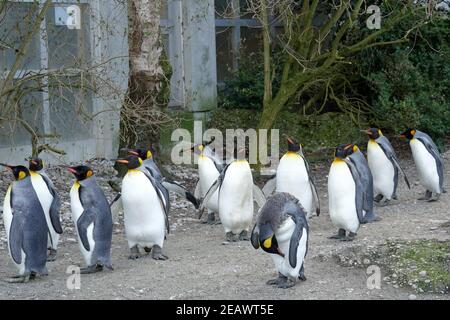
column 407, row 259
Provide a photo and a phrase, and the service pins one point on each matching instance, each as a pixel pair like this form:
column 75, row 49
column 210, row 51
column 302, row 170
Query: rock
column 412, row 297
column 366, row 261
column 422, row 274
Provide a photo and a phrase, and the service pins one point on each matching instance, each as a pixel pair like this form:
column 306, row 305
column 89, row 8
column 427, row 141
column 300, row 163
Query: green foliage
column 408, row 84
column 245, row 90
column 315, row 133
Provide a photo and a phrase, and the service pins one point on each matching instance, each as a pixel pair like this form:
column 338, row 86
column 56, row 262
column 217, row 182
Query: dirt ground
column 201, row 267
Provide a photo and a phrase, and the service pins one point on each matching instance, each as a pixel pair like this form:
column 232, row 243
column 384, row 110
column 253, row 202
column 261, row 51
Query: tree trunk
column 146, row 72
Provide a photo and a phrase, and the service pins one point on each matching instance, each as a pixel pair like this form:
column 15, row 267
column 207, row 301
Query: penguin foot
column 287, row 284
column 51, row 255
column 157, row 253
column 91, row 269
column 428, row 196
column 378, row 198
column 369, row 218
column 383, row 203
column 134, row 253
column 231, row 237
column 340, row 235
column 434, row 198
column 277, row 281
column 211, row 220
column 22, row 278
column 244, row 236
column 302, row 277
column 351, row 236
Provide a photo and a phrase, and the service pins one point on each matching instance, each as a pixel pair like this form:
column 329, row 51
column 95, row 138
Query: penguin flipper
column 163, row 198
column 55, row 206
column 270, row 186
column 84, row 221
column 299, row 217
column 254, row 239
column 179, row 189
column 359, row 190
column 259, row 196
column 16, row 238
column 210, row 193
column 313, row 185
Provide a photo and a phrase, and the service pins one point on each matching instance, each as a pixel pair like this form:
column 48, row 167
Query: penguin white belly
column 143, row 214
column 77, row 210
column 283, row 235
column 382, row 170
column 46, row 199
column 426, row 166
column 341, row 195
column 236, row 198
column 292, row 177
column 7, row 221
column 208, row 175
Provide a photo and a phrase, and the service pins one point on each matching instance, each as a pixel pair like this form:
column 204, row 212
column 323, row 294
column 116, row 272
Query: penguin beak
column 72, row 170
column 366, row 132
column 129, row 151
column 402, row 136
column 122, row 161
column 6, row 166
column 348, row 146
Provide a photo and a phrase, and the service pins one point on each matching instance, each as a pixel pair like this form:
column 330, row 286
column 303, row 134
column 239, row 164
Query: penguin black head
column 81, row 172
column 35, row 164
column 144, row 154
column 267, row 239
column 408, row 134
column 373, row 133
column 198, row 149
column 350, row 149
column 132, row 162
column 342, row 150
column 293, row 146
column 20, row 172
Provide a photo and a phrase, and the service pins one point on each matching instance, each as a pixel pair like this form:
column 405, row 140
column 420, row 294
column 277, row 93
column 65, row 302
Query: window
column 58, row 98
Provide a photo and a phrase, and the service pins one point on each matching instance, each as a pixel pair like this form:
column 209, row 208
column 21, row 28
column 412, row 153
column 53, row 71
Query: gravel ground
column 200, row 267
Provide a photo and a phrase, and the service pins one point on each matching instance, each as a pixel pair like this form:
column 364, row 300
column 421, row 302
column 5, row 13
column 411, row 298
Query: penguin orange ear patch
column 22, row 175
column 355, row 148
column 89, row 173
column 149, row 154
column 140, row 161
column 413, row 132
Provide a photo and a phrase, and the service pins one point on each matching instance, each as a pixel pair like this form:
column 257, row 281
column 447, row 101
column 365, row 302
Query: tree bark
column 146, row 73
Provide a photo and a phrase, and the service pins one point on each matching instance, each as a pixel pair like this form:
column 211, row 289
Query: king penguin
column 293, row 176
column 209, row 168
column 429, row 163
column 384, row 165
column 26, row 227
column 145, row 210
column 281, row 229
column 152, row 167
column 91, row 215
column 236, row 193
column 345, row 196
column 50, row 202
column 354, row 154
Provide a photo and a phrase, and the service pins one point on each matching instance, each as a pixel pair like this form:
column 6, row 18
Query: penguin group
column 226, row 190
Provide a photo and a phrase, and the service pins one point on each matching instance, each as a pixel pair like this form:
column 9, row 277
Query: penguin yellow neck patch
column 33, row 173
column 292, row 154
column 267, row 243
column 76, row 185
column 22, row 175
